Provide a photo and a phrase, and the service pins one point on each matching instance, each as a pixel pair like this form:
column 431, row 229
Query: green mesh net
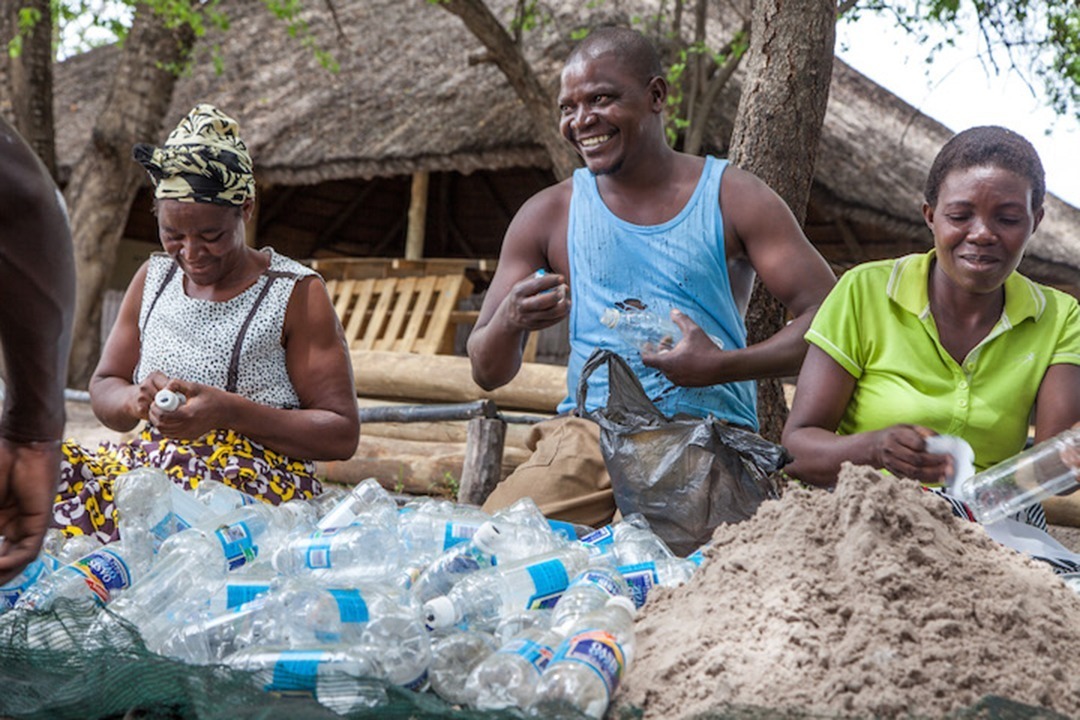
column 66, row 663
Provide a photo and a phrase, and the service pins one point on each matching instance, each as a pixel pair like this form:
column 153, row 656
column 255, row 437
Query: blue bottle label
column 238, row 545
column 642, row 578
column 457, row 533
column 696, row 557
column 33, row 572
column 537, row 655
column 104, row 571
column 563, row 529
column 605, row 536
column 601, row 580
column 296, row 671
column 317, row 556
column 597, row 650
column 237, row 595
column 351, row 606
column 549, row 583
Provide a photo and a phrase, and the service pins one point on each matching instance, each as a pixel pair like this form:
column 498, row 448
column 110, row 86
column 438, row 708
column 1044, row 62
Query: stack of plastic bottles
column 340, row 596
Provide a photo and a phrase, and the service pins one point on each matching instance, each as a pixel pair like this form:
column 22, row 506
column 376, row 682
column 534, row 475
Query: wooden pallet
column 400, row 314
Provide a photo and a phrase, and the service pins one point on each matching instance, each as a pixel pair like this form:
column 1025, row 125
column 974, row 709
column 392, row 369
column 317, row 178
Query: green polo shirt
column 876, row 324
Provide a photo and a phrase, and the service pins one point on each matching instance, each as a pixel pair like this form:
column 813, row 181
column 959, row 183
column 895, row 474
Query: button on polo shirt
column 876, row 324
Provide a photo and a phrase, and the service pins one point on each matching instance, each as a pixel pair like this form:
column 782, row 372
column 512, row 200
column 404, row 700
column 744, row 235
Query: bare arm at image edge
column 37, row 287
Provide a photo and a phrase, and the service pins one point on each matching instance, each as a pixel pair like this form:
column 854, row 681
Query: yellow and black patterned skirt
column 84, row 502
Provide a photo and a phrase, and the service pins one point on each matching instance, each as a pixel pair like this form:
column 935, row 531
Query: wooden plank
column 440, row 331
column 400, row 307
column 418, row 319
column 384, row 289
column 481, row 468
column 359, row 310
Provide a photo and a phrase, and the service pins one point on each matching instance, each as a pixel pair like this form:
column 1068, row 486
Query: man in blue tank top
column 645, row 226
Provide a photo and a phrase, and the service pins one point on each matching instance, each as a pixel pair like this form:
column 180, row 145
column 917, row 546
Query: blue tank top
column 678, row 264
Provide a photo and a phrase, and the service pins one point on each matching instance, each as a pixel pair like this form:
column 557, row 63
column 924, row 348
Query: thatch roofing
column 409, row 97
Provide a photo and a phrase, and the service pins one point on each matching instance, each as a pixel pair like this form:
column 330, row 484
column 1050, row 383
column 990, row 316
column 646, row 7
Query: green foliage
column 1037, row 39
column 86, row 24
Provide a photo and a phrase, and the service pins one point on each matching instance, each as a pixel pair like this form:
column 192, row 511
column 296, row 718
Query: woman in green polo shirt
column 953, row 341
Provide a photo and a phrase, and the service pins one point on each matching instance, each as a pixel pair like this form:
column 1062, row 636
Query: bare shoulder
column 538, row 231
column 740, row 187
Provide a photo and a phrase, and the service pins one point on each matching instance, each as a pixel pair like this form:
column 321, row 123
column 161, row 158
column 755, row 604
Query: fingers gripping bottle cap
column 439, row 612
column 168, row 400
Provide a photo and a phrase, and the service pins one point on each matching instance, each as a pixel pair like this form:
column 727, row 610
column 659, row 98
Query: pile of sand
column 872, row 600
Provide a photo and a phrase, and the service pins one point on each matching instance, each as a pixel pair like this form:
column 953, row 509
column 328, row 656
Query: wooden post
column 482, row 469
column 414, row 234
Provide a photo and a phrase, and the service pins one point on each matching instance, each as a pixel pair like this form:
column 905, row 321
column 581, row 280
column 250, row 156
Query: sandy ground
column 85, row 428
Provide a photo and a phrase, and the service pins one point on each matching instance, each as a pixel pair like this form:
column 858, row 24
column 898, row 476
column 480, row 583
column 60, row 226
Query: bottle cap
column 168, row 400
column 610, row 317
column 439, row 613
column 488, row 538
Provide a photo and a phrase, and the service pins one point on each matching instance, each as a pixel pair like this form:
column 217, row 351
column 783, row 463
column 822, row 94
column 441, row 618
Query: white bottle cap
column 439, row 613
column 610, row 318
column 488, row 538
column 168, row 400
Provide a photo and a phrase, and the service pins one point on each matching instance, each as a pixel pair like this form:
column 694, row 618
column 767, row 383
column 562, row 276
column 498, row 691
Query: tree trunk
column 26, row 80
column 777, row 127
column 105, row 180
column 538, row 103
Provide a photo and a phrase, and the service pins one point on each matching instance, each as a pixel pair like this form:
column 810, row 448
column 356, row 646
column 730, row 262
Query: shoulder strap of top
column 157, row 296
column 233, row 376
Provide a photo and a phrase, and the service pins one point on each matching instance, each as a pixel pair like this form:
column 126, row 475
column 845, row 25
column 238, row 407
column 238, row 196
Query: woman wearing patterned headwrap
column 247, row 336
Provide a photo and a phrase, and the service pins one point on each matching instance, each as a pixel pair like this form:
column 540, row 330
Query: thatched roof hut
column 334, row 152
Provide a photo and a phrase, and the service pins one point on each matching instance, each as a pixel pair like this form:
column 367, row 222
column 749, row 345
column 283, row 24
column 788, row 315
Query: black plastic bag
column 686, row 475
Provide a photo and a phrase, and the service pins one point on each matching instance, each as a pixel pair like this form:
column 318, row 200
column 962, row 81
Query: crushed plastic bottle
column 453, row 657
column 588, row 665
column 368, row 501
column 508, row 677
column 668, row 572
column 13, row 589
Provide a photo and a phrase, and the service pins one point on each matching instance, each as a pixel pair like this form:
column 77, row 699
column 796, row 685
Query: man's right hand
column 29, row 473
column 536, row 302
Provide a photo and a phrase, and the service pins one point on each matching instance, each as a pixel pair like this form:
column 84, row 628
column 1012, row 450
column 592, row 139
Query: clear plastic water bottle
column 66, row 549
column 193, row 564
column 495, row 541
column 1011, row 486
column 431, row 527
column 402, row 644
column 13, row 589
column 481, row 599
column 220, row 498
column 645, row 329
column 668, row 572
column 508, row 677
column 143, row 498
column 588, row 592
column 454, row 656
column 642, row 329
column 363, row 550
column 291, row 614
column 93, row 579
column 588, row 665
column 343, row 679
column 367, row 501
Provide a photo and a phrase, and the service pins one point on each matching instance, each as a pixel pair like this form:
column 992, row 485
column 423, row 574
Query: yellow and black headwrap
column 203, row 160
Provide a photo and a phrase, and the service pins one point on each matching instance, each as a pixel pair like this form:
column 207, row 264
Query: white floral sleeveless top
column 234, row 345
